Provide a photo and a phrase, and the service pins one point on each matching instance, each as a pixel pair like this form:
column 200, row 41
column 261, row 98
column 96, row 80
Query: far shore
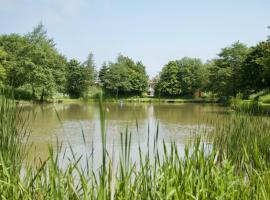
column 133, row 99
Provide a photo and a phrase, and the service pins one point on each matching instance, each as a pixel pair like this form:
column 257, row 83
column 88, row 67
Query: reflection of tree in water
column 119, row 117
column 45, row 123
column 189, row 114
column 177, row 121
column 127, row 111
column 82, row 111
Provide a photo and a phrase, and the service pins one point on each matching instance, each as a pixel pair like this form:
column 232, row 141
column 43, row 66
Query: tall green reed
column 243, row 139
column 198, row 174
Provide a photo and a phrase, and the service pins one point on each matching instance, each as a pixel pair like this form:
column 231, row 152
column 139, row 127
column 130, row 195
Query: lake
column 78, row 125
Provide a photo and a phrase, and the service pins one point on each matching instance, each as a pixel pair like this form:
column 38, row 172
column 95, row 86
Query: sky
column 151, row 31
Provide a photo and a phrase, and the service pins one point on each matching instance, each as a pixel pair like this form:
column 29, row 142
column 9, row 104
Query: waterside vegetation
column 233, row 164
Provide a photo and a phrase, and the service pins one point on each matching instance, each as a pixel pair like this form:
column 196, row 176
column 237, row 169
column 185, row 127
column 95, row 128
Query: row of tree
column 32, row 63
column 237, row 69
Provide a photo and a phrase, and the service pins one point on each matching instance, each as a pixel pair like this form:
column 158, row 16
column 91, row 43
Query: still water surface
column 69, row 122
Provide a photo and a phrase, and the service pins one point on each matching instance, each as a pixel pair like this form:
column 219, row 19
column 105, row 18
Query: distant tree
column 256, row 68
column 76, row 79
column 90, row 69
column 16, row 50
column 125, row 77
column 50, row 66
column 191, row 74
column 102, row 73
column 33, row 61
column 39, row 37
column 225, row 71
column 181, row 77
column 169, row 83
column 116, row 80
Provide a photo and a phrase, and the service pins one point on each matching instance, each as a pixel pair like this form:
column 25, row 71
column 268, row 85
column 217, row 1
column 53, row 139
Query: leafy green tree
column 225, row 71
column 169, row 83
column 76, row 79
column 256, row 68
column 33, row 61
column 125, row 77
column 17, row 50
column 191, row 75
column 116, row 80
column 50, row 66
column 181, row 77
column 102, row 72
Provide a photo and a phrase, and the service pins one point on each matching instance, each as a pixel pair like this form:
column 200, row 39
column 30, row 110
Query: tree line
column 31, row 65
column 236, row 69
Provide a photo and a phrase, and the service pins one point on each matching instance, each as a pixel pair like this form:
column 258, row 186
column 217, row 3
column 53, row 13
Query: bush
column 21, row 94
column 17, row 94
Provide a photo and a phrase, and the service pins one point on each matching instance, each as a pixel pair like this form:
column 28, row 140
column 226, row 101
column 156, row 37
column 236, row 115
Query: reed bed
column 235, row 167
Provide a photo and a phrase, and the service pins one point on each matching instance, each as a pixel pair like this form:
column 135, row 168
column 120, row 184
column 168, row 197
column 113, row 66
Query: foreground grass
column 236, row 166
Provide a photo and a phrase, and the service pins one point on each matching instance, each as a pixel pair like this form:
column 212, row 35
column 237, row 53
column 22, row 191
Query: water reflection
column 69, row 122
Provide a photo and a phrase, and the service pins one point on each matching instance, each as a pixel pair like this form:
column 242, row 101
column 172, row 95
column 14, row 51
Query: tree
column 181, row 77
column 32, row 61
column 124, row 77
column 90, row 69
column 191, row 74
column 16, row 50
column 225, row 71
column 169, row 83
column 76, row 79
column 102, row 73
column 256, row 68
column 50, row 66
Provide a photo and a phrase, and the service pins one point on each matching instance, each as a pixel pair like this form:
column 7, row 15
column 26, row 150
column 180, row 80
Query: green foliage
column 181, row 77
column 256, row 68
column 90, row 70
column 33, row 59
column 265, row 98
column 225, row 77
column 13, row 132
column 93, row 93
column 169, row 83
column 77, row 79
column 246, row 140
column 3, row 75
column 18, row 93
column 16, row 49
column 102, row 73
column 125, row 77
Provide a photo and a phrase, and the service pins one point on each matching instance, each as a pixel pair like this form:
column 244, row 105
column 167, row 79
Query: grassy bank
column 249, row 106
column 142, row 99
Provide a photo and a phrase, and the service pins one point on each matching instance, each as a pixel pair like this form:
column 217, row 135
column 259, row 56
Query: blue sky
column 152, row 31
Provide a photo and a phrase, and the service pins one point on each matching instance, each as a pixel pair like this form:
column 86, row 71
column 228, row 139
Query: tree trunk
column 33, row 93
column 42, row 95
